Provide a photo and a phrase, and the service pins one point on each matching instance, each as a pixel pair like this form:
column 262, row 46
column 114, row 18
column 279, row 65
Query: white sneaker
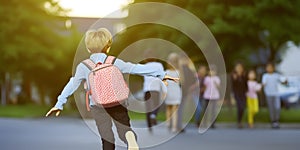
column 131, row 140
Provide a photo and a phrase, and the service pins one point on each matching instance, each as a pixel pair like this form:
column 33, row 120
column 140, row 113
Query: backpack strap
column 110, row 60
column 87, row 102
column 89, row 64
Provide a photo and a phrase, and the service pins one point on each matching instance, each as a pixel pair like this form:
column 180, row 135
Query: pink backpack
column 107, row 86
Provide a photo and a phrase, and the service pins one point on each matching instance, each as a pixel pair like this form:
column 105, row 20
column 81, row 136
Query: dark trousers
column 241, row 105
column 104, row 118
column 211, row 112
column 152, row 106
column 199, row 107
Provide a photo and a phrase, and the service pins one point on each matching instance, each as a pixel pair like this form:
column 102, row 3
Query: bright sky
column 94, row 8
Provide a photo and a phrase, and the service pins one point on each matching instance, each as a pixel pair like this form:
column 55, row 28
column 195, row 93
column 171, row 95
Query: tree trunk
column 272, row 56
column 26, row 95
column 42, row 95
column 5, row 89
column 3, row 94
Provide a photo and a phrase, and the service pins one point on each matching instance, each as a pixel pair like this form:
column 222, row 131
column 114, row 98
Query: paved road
column 73, row 134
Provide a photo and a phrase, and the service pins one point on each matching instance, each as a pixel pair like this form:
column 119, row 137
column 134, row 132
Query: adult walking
column 187, row 77
column 240, row 88
column 174, row 94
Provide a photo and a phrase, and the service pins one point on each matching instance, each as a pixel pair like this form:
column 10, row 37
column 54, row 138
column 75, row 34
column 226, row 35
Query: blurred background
column 39, row 39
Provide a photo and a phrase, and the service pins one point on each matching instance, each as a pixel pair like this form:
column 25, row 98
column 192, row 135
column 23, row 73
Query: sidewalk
column 75, row 134
column 222, row 125
column 256, row 125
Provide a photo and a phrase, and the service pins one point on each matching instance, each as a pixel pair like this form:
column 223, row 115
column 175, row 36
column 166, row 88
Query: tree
column 240, row 27
column 244, row 27
column 34, row 43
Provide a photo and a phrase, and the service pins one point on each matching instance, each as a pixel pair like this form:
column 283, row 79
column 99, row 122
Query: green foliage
column 240, row 27
column 22, row 111
column 35, row 42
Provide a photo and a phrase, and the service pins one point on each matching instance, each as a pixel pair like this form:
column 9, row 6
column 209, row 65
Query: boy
column 270, row 80
column 98, row 43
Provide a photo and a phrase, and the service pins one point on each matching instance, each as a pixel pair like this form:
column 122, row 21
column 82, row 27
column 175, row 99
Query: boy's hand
column 170, row 78
column 53, row 110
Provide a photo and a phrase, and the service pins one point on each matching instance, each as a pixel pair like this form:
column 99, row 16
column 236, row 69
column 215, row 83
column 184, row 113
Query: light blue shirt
column 82, row 73
column 152, row 83
column 270, row 82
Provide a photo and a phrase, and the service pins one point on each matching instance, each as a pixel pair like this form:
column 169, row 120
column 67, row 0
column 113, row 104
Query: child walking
column 154, row 92
column 174, row 94
column 252, row 98
column 202, row 72
column 98, row 43
column 270, row 81
column 211, row 95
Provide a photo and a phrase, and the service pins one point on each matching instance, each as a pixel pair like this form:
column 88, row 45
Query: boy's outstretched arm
column 68, row 90
column 140, row 69
column 143, row 70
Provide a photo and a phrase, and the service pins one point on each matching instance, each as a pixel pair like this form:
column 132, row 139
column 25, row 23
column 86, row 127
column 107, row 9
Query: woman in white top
column 174, row 95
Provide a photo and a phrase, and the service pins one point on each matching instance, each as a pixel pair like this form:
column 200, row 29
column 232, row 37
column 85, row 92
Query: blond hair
column 98, row 41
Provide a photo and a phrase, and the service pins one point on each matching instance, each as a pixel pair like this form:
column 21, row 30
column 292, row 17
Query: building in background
column 82, row 24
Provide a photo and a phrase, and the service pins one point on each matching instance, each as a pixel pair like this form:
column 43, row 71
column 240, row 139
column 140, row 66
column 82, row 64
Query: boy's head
column 270, row 68
column 98, row 41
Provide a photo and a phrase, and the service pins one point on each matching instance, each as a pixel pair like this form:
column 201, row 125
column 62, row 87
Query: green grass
column 27, row 111
column 291, row 115
column 21, row 111
column 226, row 114
column 142, row 116
column 288, row 116
column 229, row 115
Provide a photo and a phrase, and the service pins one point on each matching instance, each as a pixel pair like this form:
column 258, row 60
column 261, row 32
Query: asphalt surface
column 75, row 134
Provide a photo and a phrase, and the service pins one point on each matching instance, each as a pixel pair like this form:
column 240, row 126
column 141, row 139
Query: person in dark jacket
column 240, row 88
